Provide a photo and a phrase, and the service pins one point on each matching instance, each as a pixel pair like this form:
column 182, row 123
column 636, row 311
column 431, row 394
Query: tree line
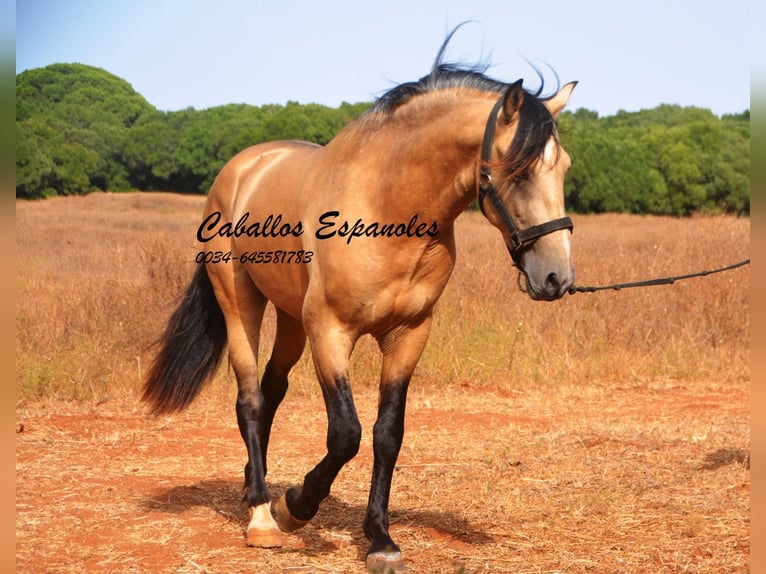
column 80, row 129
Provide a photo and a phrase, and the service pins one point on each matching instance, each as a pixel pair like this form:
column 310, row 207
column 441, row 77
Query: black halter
column 520, row 240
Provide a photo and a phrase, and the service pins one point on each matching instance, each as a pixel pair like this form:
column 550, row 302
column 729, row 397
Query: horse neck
column 429, row 155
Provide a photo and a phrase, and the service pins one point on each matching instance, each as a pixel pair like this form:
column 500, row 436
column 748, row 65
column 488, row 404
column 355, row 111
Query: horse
column 357, row 238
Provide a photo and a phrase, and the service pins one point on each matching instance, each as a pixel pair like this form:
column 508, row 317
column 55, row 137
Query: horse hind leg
column 262, row 531
column 289, row 342
column 255, row 414
column 243, row 306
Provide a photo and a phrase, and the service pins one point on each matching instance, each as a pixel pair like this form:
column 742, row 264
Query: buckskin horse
column 355, row 238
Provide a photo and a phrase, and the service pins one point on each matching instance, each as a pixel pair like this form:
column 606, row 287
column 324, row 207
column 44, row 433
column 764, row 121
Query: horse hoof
column 286, row 521
column 386, row 563
column 264, row 538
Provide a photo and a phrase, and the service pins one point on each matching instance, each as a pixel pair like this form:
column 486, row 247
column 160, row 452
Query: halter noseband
column 521, row 240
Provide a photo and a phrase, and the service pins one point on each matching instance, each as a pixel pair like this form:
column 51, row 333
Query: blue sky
column 181, row 53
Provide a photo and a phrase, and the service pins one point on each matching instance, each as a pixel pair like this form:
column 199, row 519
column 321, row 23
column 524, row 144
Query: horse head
column 522, row 152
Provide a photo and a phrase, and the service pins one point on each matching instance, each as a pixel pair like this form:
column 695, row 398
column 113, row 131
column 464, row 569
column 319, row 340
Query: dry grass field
column 602, row 433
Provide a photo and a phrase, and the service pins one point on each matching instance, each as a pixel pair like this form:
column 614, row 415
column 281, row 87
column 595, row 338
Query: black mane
column 535, row 123
column 442, row 77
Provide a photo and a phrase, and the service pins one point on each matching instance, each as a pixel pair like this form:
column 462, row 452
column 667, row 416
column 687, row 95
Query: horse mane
column 535, row 123
column 443, row 76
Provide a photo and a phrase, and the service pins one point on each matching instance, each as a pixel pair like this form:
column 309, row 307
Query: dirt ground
column 647, row 478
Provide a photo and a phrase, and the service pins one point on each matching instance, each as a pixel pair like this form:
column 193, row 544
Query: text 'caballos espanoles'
column 329, row 225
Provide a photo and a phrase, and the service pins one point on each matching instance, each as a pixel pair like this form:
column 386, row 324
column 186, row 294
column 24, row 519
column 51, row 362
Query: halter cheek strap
column 520, row 240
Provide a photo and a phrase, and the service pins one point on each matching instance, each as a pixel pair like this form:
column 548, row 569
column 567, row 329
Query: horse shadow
column 726, row 456
column 336, row 520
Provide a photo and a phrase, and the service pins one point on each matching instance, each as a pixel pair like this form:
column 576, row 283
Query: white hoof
column 262, row 531
column 386, row 563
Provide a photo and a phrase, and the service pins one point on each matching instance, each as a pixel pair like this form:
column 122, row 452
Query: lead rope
column 651, row 282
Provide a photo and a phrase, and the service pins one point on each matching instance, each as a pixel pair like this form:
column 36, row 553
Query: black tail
column 192, row 348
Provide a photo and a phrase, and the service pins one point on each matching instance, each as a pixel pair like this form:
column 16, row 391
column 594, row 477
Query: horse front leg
column 401, row 352
column 331, row 352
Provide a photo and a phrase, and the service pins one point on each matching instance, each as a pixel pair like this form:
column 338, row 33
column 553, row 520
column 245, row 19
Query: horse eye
column 521, row 178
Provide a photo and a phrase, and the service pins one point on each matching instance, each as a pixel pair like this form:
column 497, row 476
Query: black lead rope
column 651, row 282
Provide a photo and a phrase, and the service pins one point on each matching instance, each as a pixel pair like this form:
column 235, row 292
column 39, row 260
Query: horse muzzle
column 549, row 287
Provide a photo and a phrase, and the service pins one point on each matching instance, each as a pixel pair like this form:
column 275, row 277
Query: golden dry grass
column 98, row 275
column 603, row 433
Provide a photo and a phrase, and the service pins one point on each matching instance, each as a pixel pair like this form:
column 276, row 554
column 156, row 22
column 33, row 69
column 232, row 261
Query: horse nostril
column 552, row 283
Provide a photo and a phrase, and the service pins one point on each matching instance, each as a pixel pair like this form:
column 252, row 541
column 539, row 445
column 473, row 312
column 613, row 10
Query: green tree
column 668, row 160
column 73, row 122
column 80, row 129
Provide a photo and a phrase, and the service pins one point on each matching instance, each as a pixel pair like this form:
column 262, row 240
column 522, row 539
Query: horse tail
column 191, row 349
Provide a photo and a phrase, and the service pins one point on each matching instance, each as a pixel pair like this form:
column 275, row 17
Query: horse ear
column 557, row 102
column 514, row 96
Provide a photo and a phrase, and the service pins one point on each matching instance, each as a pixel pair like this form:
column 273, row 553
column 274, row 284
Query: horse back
column 260, row 175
